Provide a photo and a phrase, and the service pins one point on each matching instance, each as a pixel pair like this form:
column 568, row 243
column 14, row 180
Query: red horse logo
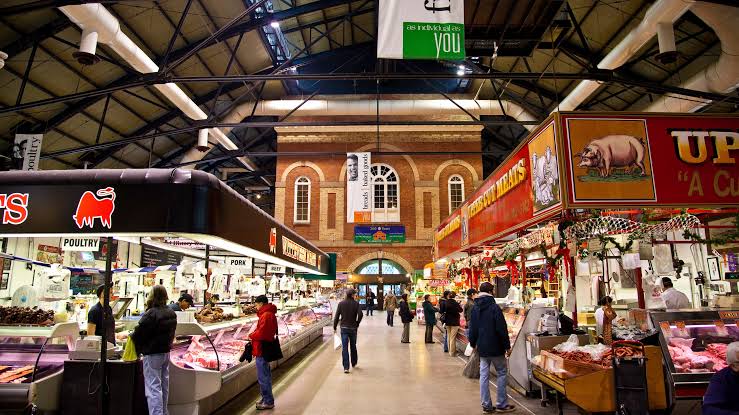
column 92, row 207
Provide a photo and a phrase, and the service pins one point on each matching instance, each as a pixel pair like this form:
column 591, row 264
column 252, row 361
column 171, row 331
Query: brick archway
column 456, row 162
column 308, row 164
column 380, row 254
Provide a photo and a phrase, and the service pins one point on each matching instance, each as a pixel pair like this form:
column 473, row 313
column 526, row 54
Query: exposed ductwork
column 99, row 25
column 720, row 77
column 369, row 107
column 661, row 12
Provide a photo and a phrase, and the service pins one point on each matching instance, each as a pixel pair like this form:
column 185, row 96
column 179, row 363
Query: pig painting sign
column 651, row 160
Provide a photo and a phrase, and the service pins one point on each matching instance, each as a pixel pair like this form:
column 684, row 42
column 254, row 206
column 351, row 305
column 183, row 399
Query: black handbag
column 247, row 354
column 271, row 351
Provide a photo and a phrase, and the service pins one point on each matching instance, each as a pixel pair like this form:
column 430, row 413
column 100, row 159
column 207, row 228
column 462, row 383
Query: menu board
column 85, row 283
column 155, row 257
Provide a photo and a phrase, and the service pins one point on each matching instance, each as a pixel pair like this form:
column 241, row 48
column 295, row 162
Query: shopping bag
column 472, row 368
column 129, row 353
column 337, row 341
column 468, row 351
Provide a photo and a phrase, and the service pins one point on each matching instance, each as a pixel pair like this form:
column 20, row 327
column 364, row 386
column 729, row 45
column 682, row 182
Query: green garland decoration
column 723, row 239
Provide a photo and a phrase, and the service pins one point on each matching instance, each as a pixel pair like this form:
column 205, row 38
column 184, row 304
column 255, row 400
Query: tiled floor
column 391, row 378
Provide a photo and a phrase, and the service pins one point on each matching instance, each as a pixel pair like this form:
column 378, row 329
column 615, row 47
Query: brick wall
column 424, row 199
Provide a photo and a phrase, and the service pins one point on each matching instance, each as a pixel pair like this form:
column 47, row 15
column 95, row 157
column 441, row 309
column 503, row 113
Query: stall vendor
column 720, row 398
column 97, row 318
column 674, row 299
column 183, row 303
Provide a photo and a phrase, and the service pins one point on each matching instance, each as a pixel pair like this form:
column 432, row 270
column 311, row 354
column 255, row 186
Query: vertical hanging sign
column 27, row 151
column 358, row 188
column 421, row 29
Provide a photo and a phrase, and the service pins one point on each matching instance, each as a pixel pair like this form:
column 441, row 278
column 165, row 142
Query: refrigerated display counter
column 694, row 347
column 205, row 372
column 31, row 365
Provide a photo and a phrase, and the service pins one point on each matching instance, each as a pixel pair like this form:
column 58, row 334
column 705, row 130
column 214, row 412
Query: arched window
column 456, row 192
column 302, row 200
column 385, row 190
column 372, row 267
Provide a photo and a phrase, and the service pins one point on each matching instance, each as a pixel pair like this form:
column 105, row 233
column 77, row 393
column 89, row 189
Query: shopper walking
column 451, row 317
column 442, row 318
column 153, row 338
column 348, row 316
column 370, row 302
column 406, row 317
column 471, row 294
column 429, row 313
column 390, row 304
column 489, row 335
column 266, row 331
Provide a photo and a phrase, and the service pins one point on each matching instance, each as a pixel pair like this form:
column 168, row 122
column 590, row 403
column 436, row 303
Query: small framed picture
column 4, row 277
column 714, row 269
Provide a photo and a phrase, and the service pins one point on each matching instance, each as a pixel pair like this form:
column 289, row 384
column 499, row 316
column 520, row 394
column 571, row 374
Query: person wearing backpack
column 406, row 317
column 266, row 331
column 489, row 335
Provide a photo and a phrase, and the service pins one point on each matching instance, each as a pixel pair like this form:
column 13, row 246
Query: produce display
column 25, row 316
column 212, row 315
column 15, row 374
column 686, row 360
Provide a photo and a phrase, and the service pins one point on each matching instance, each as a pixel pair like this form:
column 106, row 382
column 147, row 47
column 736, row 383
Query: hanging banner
column 379, row 234
column 27, row 151
column 421, row 29
column 275, row 269
column 358, row 188
column 244, row 262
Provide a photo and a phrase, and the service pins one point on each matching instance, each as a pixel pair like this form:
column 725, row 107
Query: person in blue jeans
column 488, row 333
column 442, row 319
column 348, row 315
column 153, row 338
column 266, row 331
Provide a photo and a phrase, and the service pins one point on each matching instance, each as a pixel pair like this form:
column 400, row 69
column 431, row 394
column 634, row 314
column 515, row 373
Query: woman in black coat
column 451, row 318
column 406, row 317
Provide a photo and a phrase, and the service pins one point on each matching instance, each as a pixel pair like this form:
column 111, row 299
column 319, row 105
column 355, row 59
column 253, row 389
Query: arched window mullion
column 301, row 205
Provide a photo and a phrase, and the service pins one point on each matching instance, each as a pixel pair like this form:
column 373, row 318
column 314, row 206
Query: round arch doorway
column 381, row 276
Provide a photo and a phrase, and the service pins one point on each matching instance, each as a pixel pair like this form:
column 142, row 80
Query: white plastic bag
column 468, row 351
column 337, row 341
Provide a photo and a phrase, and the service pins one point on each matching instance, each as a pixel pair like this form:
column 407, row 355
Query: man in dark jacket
column 489, row 335
column 266, row 331
column 451, row 318
column 349, row 313
column 471, row 294
column 406, row 317
column 429, row 314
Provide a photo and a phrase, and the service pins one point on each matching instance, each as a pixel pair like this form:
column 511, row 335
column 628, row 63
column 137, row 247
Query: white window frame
column 449, row 190
column 301, row 181
column 382, row 215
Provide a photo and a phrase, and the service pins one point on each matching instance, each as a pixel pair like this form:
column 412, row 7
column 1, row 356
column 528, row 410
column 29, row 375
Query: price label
column 721, row 329
column 681, row 330
column 665, row 327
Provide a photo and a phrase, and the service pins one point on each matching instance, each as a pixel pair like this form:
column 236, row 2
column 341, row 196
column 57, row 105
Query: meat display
column 212, row 315
column 686, row 360
column 25, row 316
column 249, row 309
column 14, row 374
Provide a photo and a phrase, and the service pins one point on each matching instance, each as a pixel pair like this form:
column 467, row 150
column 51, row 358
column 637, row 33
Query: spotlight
column 259, row 195
column 460, row 72
column 275, row 24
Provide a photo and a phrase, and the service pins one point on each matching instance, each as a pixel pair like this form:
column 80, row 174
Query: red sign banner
column 651, row 160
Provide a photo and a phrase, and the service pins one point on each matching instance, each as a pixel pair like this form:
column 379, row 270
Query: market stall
column 190, row 225
column 600, row 204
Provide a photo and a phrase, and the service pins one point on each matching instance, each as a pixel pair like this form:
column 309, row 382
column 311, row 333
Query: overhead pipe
column 720, row 77
column 663, row 11
column 99, row 25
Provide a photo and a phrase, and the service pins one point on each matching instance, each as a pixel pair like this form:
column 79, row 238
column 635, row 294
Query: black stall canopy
column 150, row 203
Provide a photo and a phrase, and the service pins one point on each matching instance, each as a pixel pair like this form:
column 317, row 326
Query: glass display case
column 323, row 310
column 694, row 346
column 31, row 364
column 300, row 320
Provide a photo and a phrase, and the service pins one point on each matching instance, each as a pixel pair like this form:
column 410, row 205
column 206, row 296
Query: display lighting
column 259, row 195
column 460, row 72
column 275, row 24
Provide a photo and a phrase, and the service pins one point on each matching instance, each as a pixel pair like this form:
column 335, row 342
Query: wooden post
column 639, row 289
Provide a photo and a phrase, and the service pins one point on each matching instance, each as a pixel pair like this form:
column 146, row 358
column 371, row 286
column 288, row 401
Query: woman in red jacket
column 265, row 332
